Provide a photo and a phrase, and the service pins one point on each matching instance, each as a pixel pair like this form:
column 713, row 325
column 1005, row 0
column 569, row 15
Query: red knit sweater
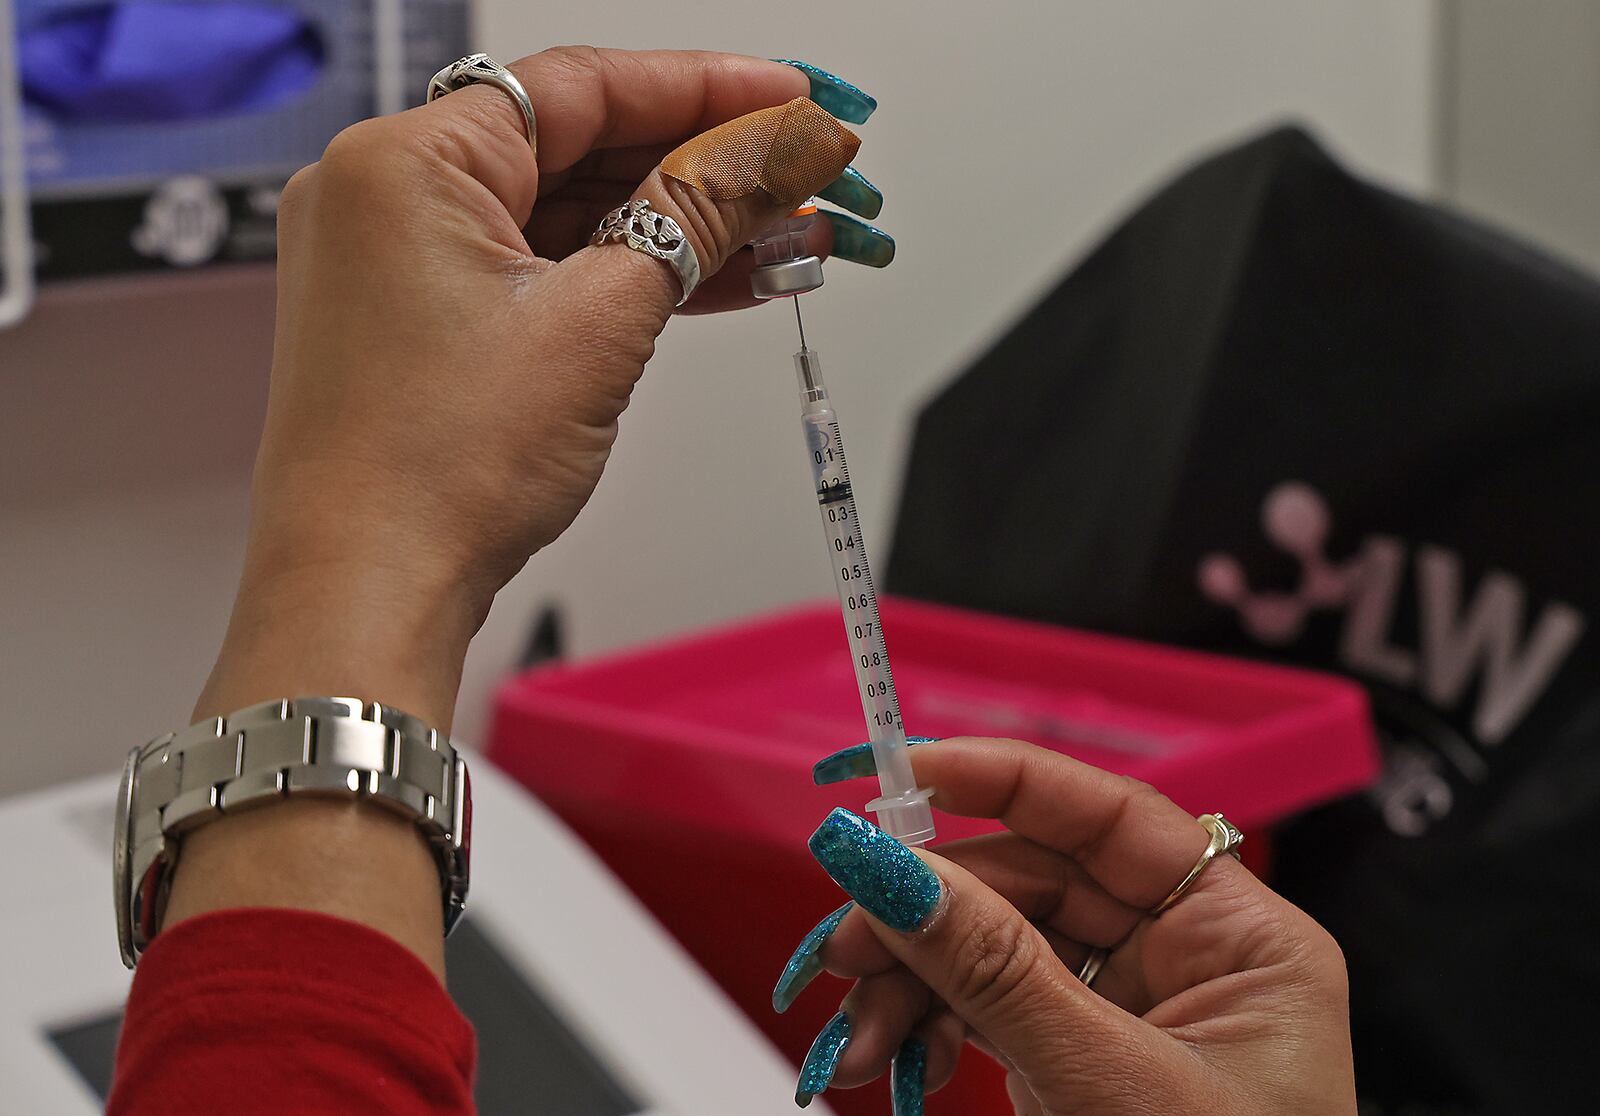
column 280, row 1011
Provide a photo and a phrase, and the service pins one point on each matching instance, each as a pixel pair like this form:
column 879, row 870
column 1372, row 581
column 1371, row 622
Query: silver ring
column 1225, row 841
column 1092, row 966
column 655, row 234
column 480, row 68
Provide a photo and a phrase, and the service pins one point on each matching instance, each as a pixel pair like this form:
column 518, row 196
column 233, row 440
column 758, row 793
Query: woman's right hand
column 451, row 364
column 1232, row 1001
column 453, row 358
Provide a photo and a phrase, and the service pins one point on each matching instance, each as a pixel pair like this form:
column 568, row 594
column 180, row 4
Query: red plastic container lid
column 720, row 730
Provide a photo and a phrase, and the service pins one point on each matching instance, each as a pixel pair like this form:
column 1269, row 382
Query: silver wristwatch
column 307, row 745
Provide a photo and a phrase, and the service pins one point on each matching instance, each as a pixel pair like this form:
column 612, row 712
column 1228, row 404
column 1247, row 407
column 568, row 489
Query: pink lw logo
column 1295, row 518
column 1481, row 643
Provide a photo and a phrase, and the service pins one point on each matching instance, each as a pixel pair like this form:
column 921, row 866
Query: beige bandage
column 790, row 151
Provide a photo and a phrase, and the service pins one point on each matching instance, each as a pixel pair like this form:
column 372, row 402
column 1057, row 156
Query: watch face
column 121, row 854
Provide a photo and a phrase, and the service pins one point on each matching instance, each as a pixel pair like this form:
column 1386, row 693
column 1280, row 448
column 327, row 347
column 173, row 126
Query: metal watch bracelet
column 329, row 746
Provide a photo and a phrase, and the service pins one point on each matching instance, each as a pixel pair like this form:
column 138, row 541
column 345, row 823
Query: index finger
column 1132, row 840
column 587, row 98
column 595, row 98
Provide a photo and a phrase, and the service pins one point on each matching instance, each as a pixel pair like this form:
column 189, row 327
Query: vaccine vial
column 784, row 264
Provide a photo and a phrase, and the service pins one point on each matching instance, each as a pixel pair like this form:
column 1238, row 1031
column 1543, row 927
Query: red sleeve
column 275, row 1011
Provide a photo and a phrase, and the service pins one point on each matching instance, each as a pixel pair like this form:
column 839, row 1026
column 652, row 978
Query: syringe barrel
column 902, row 809
column 892, row 757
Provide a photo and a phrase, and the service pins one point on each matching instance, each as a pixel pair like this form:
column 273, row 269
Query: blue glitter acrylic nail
column 908, row 1077
column 853, row 762
column 859, row 242
column 833, row 93
column 805, row 964
column 878, row 872
column 852, row 190
column 816, row 1072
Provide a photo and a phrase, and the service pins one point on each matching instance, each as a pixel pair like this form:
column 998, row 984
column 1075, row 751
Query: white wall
column 1521, row 127
column 128, row 418
column 1010, row 135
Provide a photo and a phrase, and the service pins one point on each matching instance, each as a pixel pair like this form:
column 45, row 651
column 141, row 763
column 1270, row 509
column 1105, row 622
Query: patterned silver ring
column 1225, row 841
column 655, row 234
column 480, row 68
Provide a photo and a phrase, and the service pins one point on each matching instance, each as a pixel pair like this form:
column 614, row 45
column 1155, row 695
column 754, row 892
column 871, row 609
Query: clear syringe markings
column 902, row 808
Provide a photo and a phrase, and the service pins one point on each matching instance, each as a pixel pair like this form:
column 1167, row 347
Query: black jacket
column 1283, row 413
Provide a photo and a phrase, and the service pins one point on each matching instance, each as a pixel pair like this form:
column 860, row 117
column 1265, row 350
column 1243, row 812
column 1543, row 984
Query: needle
column 800, row 323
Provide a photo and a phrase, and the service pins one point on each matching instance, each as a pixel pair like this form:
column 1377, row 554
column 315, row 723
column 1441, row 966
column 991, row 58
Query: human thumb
column 718, row 190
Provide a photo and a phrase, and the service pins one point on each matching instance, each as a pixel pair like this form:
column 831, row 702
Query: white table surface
column 579, row 938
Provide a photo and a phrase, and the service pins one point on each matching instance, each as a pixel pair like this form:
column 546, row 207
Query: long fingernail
column 878, row 872
column 853, row 762
column 908, row 1075
column 816, row 1072
column 852, row 190
column 835, row 94
column 858, row 241
column 804, row 965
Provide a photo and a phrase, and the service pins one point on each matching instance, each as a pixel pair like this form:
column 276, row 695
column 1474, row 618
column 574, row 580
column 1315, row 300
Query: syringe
column 785, row 267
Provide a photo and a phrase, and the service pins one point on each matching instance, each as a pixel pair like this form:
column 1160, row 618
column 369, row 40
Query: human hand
column 451, row 360
column 1233, row 1000
column 450, row 364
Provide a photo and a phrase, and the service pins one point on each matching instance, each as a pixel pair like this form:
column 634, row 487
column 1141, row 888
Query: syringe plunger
column 906, row 817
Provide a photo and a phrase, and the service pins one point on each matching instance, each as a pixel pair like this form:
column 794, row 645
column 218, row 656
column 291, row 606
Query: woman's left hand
column 1231, row 1001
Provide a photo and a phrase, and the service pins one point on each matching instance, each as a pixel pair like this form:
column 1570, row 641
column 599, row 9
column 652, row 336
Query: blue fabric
column 153, row 62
